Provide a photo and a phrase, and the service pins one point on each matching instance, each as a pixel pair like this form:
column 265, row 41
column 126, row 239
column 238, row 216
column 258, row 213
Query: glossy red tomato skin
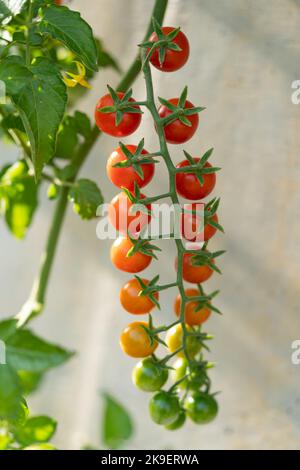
column 133, row 264
column 126, row 177
column 188, row 186
column 106, row 122
column 174, row 60
column 120, row 218
column 191, row 225
column 176, row 132
column 191, row 273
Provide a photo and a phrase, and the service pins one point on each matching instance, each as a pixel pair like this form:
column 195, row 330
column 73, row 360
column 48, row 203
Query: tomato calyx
column 179, row 111
column 149, row 289
column 210, row 211
column 153, row 334
column 121, row 105
column 206, row 258
column 198, row 166
column 136, row 159
column 163, row 43
column 141, row 245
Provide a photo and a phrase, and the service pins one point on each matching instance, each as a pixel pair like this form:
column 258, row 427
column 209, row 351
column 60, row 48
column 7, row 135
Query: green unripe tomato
column 195, row 380
column 201, row 407
column 178, row 423
column 179, row 371
column 149, row 376
column 164, row 408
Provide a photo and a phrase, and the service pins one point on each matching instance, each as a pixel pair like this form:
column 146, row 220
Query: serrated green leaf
column 67, row 139
column 117, row 426
column 86, row 197
column 69, row 27
column 38, row 429
column 83, row 124
column 26, row 351
column 40, row 97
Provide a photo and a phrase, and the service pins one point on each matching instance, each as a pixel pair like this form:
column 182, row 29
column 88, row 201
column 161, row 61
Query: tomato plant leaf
column 70, row 28
column 29, row 381
column 117, row 426
column 40, row 97
column 18, row 198
column 86, row 197
column 35, row 430
column 25, row 351
column 11, row 401
column 7, row 328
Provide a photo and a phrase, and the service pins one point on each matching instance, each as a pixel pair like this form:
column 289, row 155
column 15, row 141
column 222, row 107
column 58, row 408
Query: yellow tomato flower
column 72, row 79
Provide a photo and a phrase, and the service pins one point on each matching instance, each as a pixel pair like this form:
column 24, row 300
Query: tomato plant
column 45, row 70
column 131, row 168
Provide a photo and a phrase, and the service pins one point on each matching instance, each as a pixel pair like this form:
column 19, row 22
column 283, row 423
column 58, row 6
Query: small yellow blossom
column 72, row 79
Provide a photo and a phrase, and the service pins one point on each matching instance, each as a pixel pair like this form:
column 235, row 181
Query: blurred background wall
column 244, row 56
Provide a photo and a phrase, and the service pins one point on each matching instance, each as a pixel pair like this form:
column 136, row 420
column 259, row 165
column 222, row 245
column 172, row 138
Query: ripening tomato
column 120, row 217
column 132, row 301
column 176, row 132
column 130, row 264
column 194, row 274
column 106, row 122
column 174, row 339
column 195, row 379
column 136, row 342
column 192, row 316
column 126, row 177
column 58, row 2
column 188, row 185
column 174, row 60
column 201, row 407
column 192, row 224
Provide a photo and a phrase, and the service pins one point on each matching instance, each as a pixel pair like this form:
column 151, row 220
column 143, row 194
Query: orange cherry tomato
column 191, row 273
column 130, row 264
column 192, row 316
column 135, row 341
column 132, row 301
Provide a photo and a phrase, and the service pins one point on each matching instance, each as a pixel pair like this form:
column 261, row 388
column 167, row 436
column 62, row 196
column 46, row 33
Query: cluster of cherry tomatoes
column 130, row 167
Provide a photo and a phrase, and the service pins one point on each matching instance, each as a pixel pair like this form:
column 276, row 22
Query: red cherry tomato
column 126, row 177
column 176, row 132
column 188, row 186
column 106, row 122
column 120, row 217
column 191, row 273
column 174, row 60
column 191, row 224
column 132, row 264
